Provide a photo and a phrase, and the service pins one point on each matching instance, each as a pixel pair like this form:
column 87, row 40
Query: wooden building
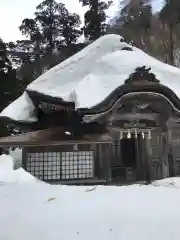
column 133, row 135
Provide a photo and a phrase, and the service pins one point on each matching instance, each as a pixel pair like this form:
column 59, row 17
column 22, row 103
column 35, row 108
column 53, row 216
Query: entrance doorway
column 129, row 152
column 124, row 167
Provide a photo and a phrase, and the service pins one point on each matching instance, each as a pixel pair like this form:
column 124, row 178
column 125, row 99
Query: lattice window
column 61, row 166
column 45, row 165
column 77, row 165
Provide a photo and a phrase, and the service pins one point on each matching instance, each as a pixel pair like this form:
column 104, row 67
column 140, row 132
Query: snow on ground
column 17, row 157
column 35, row 210
column 73, row 213
column 169, row 182
column 100, row 67
column 9, row 175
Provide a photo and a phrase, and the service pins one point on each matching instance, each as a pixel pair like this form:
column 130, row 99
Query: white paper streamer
column 129, row 134
column 143, row 135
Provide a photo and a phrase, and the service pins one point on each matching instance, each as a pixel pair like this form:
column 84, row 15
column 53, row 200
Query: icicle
column 129, row 134
column 135, row 132
column 143, row 135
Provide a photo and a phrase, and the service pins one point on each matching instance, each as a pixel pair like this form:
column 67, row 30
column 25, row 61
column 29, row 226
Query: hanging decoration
column 143, row 136
column 129, row 134
column 149, row 134
column 135, row 132
column 121, row 135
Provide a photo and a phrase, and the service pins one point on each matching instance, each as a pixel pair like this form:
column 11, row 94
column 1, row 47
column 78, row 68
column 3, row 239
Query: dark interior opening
column 128, row 152
column 127, row 159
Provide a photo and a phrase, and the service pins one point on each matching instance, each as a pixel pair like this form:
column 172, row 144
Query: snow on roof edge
column 22, row 109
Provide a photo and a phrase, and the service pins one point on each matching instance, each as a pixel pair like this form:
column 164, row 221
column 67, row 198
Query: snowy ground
column 32, row 210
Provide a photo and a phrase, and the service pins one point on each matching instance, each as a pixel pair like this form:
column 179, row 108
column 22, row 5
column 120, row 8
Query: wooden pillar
column 108, row 157
column 164, row 144
column 171, row 164
column 24, row 158
column 170, row 157
column 139, row 168
column 148, row 160
column 142, row 155
column 105, row 160
column 164, row 155
column 99, row 158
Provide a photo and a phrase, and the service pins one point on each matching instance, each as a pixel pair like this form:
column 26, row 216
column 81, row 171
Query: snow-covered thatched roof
column 89, row 76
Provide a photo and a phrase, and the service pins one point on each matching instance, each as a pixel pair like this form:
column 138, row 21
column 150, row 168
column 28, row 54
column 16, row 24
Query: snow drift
column 16, row 154
column 41, row 211
column 89, row 76
column 9, row 175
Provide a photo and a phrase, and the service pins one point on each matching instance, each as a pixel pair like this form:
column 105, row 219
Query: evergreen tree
column 57, row 25
column 135, row 18
column 9, row 89
column 30, row 29
column 9, row 86
column 95, row 18
column 23, row 56
column 170, row 17
column 50, row 38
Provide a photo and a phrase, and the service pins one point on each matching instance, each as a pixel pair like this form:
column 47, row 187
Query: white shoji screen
column 61, row 166
column 45, row 165
column 77, row 165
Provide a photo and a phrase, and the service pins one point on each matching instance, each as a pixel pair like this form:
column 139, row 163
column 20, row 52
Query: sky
column 12, row 12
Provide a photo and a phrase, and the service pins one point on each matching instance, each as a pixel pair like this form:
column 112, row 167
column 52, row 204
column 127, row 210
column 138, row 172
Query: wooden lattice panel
column 49, row 166
column 45, row 165
column 77, row 165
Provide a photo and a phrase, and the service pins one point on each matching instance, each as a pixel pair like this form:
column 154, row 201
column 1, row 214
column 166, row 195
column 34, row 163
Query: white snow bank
column 17, row 157
column 9, row 175
column 92, row 74
column 47, row 212
column 168, row 182
column 42, row 211
column 16, row 176
column 6, row 162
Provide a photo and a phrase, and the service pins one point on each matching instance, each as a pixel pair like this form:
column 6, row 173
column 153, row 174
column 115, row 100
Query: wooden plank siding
column 152, row 153
column 175, row 141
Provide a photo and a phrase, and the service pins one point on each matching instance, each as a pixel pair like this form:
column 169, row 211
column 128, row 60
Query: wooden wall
column 165, row 153
column 161, row 163
column 101, row 157
column 175, row 144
